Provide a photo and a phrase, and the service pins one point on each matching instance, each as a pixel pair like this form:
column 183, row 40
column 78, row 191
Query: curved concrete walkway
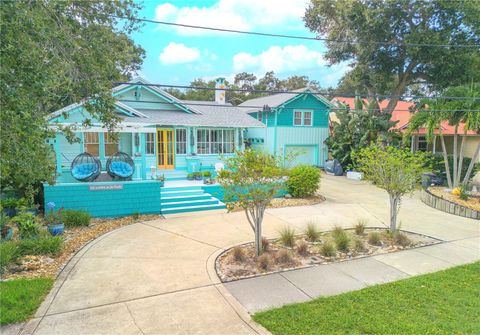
column 157, row 277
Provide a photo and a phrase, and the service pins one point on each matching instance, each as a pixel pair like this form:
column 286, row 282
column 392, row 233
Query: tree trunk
column 400, row 88
column 460, row 159
column 445, row 158
column 455, row 166
column 472, row 163
column 394, row 204
column 258, row 237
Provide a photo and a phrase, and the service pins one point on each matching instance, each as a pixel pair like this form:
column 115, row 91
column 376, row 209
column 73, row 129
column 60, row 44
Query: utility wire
column 261, row 108
column 299, row 37
column 340, row 94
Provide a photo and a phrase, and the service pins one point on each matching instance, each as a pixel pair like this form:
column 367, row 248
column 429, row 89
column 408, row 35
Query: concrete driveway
column 157, row 277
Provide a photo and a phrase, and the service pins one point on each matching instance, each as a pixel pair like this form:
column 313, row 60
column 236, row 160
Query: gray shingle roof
column 275, row 100
column 212, row 116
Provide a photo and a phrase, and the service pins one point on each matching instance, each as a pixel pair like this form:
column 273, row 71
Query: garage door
column 304, row 154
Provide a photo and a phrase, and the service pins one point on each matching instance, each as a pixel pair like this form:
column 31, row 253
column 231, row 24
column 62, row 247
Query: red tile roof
column 402, row 114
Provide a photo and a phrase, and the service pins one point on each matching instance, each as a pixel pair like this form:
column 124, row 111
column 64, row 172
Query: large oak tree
column 55, row 53
column 394, row 65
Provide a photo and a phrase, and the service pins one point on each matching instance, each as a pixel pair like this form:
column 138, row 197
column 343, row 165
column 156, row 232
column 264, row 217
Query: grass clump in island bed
column 444, row 302
column 20, row 298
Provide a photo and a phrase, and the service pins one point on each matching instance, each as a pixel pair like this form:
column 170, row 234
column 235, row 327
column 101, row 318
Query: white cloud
column 178, row 53
column 235, row 14
column 279, row 59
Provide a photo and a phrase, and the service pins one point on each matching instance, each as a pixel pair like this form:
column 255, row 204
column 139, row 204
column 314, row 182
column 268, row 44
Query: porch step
column 181, row 193
column 190, row 203
column 169, row 199
column 182, row 209
column 181, row 188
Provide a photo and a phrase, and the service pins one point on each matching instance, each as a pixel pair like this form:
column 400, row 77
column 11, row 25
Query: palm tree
column 431, row 113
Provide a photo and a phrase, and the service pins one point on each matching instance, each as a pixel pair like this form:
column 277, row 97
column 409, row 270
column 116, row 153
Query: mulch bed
column 229, row 269
column 74, row 239
column 473, row 201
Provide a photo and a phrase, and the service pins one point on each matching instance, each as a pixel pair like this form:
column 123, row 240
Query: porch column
column 412, row 144
column 82, row 142
column 58, row 155
column 101, row 145
column 192, row 139
column 143, row 150
column 434, row 144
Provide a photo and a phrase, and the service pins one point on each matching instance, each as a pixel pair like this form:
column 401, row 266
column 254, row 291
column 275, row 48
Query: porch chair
column 85, row 167
column 120, row 166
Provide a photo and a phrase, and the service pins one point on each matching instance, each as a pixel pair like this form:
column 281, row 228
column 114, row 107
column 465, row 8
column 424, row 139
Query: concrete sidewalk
column 275, row 290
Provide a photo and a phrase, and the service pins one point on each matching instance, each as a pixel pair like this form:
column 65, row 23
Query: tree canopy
column 394, row 65
column 55, row 53
column 244, row 81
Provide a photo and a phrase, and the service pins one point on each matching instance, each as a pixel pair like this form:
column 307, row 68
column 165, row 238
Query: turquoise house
column 166, row 136
column 294, row 124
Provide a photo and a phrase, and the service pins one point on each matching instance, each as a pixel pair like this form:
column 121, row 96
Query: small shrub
column 342, row 241
column 284, row 257
column 135, row 216
column 265, row 244
column 302, row 248
column 45, row 245
column 27, row 225
column 75, row 218
column 263, row 262
column 463, row 192
column 359, row 245
column 328, row 249
column 303, row 181
column 337, row 230
column 287, row 236
column 238, row 254
column 312, row 233
column 375, row 238
column 401, row 239
column 360, row 226
column 8, row 253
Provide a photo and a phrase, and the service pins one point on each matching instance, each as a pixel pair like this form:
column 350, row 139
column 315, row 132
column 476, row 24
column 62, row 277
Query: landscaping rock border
column 446, row 206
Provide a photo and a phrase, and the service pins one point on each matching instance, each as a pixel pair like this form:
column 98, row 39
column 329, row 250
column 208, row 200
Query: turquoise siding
column 135, row 197
column 320, row 118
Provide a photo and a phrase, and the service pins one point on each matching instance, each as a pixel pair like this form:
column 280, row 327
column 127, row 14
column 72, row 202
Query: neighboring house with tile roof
column 162, row 133
column 402, row 115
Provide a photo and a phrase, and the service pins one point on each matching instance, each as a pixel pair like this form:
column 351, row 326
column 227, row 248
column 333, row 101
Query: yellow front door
column 165, row 148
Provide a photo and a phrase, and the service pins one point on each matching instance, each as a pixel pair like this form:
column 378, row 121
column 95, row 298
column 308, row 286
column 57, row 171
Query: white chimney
column 219, row 94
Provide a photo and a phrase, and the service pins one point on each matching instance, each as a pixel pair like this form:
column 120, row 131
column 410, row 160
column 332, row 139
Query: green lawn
column 20, row 298
column 446, row 302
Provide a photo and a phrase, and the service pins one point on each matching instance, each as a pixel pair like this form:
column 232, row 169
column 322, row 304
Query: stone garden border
column 447, row 206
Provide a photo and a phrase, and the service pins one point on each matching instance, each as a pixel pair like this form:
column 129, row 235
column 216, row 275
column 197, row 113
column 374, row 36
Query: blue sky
column 178, row 55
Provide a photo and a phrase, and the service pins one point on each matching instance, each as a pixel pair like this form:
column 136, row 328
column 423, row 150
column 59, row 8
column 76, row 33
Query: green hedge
column 439, row 165
column 303, row 181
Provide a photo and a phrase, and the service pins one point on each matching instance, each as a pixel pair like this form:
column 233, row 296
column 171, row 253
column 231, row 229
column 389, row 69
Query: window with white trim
column 91, row 143
column 297, row 120
column 150, row 143
column 307, row 118
column 215, row 141
column 302, row 118
column 111, row 144
column 181, row 140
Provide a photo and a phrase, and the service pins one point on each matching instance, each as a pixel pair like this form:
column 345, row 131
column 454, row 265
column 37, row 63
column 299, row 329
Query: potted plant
column 161, row 179
column 190, row 176
column 5, row 229
column 207, row 177
column 54, row 220
column 9, row 206
column 197, row 175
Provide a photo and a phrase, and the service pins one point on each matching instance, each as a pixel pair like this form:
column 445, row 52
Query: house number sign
column 105, row 187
